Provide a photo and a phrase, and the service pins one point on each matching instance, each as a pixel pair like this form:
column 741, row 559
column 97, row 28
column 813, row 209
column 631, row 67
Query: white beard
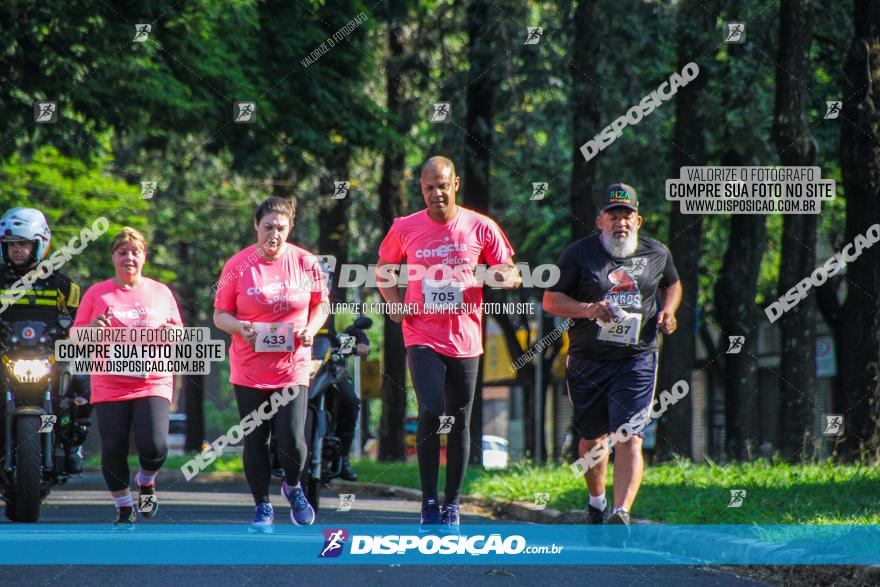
column 620, row 249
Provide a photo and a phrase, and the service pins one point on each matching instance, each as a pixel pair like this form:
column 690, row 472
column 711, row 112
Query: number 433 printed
column 274, row 337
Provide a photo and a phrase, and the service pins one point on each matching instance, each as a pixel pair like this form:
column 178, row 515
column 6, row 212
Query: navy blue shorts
column 607, row 394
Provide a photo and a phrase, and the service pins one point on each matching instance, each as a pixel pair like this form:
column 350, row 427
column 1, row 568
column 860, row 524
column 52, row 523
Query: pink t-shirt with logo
column 467, row 240
column 284, row 290
column 150, row 305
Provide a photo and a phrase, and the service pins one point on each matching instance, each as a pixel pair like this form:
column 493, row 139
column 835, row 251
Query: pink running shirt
column 150, row 305
column 254, row 289
column 468, row 239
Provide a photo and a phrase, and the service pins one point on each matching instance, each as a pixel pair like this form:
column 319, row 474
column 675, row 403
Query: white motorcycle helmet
column 25, row 224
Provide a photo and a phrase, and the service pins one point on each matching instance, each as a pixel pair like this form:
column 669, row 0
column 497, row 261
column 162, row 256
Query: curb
column 520, row 511
column 710, row 546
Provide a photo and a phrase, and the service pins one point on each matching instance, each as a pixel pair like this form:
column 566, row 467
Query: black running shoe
column 73, row 460
column 148, row 501
column 347, row 472
column 125, row 518
column 620, row 516
column 597, row 516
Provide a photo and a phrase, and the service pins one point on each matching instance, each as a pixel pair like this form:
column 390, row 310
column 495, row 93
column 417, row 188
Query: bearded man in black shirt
column 610, row 284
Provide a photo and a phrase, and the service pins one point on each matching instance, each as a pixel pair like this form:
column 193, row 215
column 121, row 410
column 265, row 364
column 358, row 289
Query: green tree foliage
column 72, row 194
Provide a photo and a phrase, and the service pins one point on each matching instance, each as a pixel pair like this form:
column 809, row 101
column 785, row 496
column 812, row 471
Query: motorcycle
column 324, row 460
column 36, row 416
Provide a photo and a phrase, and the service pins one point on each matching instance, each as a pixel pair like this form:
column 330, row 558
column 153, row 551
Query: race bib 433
column 274, row 337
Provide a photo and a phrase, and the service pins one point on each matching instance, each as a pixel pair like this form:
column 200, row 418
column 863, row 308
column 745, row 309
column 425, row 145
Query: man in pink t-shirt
column 442, row 321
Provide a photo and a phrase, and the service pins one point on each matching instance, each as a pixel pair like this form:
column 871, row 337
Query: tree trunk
column 791, row 130
column 480, row 97
column 482, row 29
column 193, row 389
column 392, row 203
column 737, row 315
column 334, row 236
column 695, row 34
column 585, row 119
column 858, row 386
column 735, row 291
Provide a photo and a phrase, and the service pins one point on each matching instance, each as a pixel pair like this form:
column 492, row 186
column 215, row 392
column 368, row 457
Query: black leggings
column 288, row 428
column 149, row 416
column 442, row 382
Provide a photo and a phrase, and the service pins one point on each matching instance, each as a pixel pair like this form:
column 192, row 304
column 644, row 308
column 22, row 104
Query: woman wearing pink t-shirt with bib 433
column 123, row 402
column 272, row 298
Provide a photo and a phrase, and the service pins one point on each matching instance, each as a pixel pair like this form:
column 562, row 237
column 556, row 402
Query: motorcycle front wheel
column 28, row 473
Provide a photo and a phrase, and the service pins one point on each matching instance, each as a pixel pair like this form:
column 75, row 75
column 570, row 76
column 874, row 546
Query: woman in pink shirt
column 272, row 298
column 121, row 401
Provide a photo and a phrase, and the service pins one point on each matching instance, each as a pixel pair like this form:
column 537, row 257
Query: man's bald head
column 439, row 186
column 438, row 163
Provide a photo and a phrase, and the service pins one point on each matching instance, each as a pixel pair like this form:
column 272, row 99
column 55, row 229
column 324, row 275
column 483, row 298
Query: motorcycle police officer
column 54, row 298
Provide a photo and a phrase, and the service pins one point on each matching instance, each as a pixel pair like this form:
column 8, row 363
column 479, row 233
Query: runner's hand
column 600, row 311
column 103, row 321
column 172, row 322
column 247, row 331
column 507, row 278
column 666, row 322
column 363, row 350
column 398, row 317
column 304, row 337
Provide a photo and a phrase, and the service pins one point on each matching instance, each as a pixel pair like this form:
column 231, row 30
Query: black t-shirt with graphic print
column 588, row 273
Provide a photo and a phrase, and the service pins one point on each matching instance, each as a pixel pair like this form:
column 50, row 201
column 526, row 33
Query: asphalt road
column 86, row 501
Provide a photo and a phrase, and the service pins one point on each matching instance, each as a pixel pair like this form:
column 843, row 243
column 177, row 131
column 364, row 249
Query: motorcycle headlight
column 29, row 370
